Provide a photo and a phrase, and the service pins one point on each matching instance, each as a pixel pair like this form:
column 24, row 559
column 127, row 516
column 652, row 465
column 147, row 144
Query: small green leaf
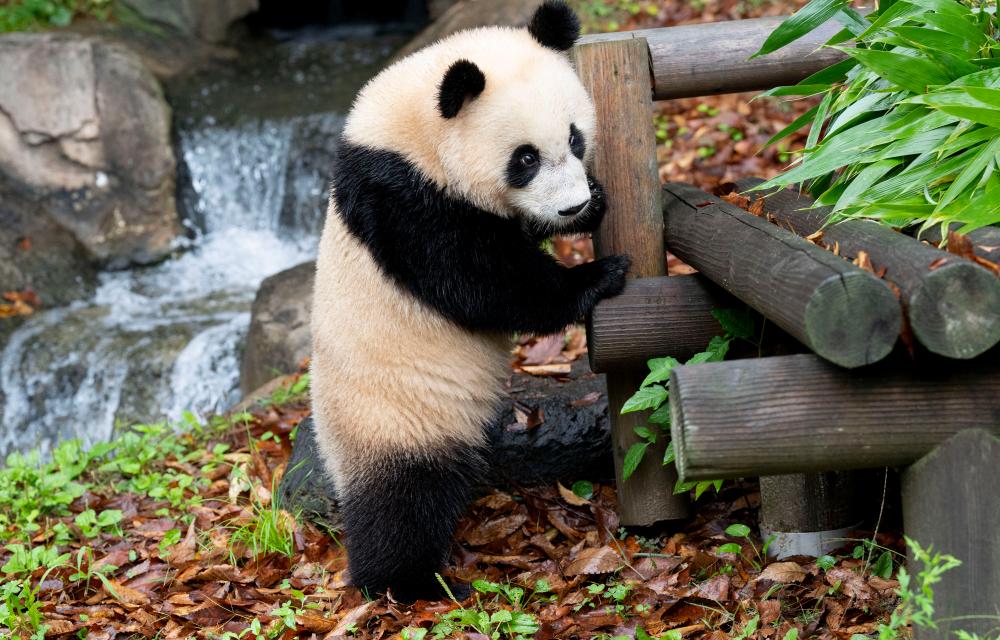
column 909, row 72
column 730, row 547
column 661, row 416
column 668, row 455
column 632, row 459
column 738, row 530
column 583, row 489
column 883, row 567
column 683, row 487
column 659, row 370
column 646, row 398
column 701, row 487
column 826, row 562
column 736, row 321
column 644, row 432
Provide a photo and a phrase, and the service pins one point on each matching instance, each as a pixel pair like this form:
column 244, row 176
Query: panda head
column 517, row 125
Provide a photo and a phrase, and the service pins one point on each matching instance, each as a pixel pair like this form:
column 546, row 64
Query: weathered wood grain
column 953, row 308
column 951, row 502
column 840, row 311
column 653, row 318
column 616, row 74
column 801, row 414
column 710, row 59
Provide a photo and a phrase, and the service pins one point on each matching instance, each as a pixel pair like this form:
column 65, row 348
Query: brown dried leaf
column 864, row 261
column 704, row 204
column 127, row 595
column 548, row 369
column 715, row 589
column 185, row 551
column 594, row 561
column 571, row 497
column 357, row 616
column 736, row 199
column 316, row 624
column 815, row 238
column 58, row 627
column 590, row 398
column 937, row 263
column 493, row 530
column 783, row 572
column 851, row 584
column 546, row 350
column 757, row 208
column 960, row 245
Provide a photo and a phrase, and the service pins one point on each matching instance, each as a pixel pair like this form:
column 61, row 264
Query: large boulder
column 469, row 14
column 279, row 337
column 207, row 20
column 85, row 131
column 572, row 443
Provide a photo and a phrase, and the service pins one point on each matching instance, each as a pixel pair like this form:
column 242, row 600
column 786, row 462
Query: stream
column 254, row 142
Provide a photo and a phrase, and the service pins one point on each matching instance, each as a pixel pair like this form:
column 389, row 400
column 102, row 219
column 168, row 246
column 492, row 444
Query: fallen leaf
column 185, row 551
column 783, row 572
column 571, row 497
column 960, row 245
column 717, row 588
column 493, row 530
column 316, row 624
column 593, row 561
column 770, row 611
column 937, row 263
column 590, row 398
column 851, row 584
column 58, row 627
column 357, row 616
column 548, row 369
column 815, row 238
column 864, row 262
column 704, row 204
column 545, row 350
column 757, row 208
column 736, row 199
column 127, row 595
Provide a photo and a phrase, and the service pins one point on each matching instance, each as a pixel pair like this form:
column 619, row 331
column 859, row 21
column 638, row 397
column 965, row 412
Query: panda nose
column 572, row 211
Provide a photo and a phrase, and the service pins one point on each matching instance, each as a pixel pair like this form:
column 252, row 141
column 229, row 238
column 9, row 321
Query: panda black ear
column 555, row 25
column 463, row 78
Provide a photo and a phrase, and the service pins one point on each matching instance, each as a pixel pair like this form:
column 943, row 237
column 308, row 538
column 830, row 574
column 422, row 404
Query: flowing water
column 254, row 142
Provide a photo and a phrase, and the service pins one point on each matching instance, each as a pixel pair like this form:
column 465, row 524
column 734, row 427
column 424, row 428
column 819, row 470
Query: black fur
column 577, row 142
column 555, row 26
column 463, row 78
column 520, row 175
column 400, row 520
column 482, row 271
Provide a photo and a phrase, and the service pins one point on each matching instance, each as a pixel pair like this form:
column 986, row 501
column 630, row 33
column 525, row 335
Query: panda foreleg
column 399, row 513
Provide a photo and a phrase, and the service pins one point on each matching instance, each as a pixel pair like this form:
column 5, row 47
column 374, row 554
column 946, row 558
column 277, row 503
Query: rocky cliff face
column 85, row 133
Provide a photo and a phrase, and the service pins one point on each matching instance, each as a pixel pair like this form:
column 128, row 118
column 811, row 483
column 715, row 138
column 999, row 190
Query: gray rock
column 85, row 130
column 573, row 443
column 469, row 14
column 207, row 20
column 279, row 337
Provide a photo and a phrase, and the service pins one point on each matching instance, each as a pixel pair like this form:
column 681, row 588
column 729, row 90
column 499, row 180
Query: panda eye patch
column 523, row 166
column 577, row 142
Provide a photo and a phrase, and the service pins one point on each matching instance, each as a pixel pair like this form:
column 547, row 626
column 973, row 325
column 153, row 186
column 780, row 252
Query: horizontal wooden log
column 840, row 311
column 985, row 240
column 801, row 414
column 653, row 318
column 953, row 307
column 711, row 59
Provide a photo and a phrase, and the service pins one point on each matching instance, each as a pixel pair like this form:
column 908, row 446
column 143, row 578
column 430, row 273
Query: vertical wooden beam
column 617, row 76
column 809, row 513
column 951, row 501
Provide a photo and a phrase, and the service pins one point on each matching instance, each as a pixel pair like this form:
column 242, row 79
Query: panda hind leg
column 399, row 513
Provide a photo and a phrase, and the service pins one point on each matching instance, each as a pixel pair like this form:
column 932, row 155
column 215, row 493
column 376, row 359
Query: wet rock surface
column 279, row 337
column 85, row 131
column 573, row 442
column 469, row 14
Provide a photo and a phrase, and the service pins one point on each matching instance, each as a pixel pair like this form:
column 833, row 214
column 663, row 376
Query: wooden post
column 950, row 501
column 617, row 76
column 809, row 513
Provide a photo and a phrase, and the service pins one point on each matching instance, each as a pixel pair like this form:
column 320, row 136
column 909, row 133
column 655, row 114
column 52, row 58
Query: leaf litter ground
column 183, row 569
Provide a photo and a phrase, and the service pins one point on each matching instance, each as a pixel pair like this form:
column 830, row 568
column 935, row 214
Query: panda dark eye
column 529, row 159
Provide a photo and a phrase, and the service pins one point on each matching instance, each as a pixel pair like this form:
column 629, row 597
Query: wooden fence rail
column 711, row 59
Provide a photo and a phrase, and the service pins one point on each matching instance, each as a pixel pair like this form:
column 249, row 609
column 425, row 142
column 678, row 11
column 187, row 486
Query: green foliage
column 584, row 489
column 26, row 560
column 286, row 393
column 20, row 610
column 737, row 324
column 912, row 119
column 30, row 490
column 515, row 625
column 36, row 15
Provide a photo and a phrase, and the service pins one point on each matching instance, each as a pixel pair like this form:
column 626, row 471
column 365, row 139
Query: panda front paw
column 611, row 272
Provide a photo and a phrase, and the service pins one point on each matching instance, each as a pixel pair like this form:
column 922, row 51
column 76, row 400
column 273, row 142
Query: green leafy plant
column 743, row 531
column 31, row 490
column 737, row 324
column 908, row 130
column 20, row 610
column 35, row 15
column 515, row 625
column 24, row 560
column 87, row 571
column 286, row 393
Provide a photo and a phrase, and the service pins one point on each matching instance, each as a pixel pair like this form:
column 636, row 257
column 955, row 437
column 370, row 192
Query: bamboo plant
column 908, row 128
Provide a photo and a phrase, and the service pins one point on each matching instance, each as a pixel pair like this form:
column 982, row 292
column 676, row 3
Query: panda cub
column 455, row 163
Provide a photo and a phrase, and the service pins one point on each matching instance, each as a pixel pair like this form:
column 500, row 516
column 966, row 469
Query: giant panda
column 455, row 163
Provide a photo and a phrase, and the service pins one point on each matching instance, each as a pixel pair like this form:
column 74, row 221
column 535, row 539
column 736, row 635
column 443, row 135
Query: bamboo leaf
column 914, row 74
column 932, row 38
column 970, row 173
column 853, row 21
column 955, row 25
column 817, row 125
column 872, row 174
column 795, row 126
column 897, row 11
column 800, row 23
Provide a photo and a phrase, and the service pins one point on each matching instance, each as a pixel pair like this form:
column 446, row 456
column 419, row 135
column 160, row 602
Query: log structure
column 840, row 311
column 616, row 74
column 710, row 59
column 801, row 414
column 653, row 318
column 952, row 304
